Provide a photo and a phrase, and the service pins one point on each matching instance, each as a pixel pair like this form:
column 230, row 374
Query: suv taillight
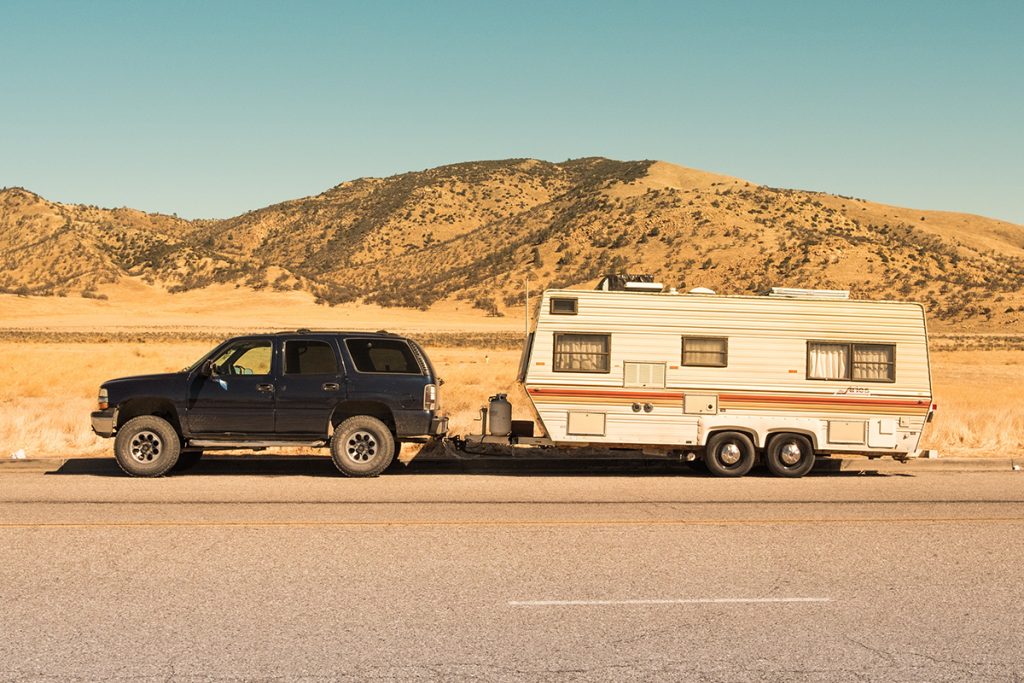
column 430, row 397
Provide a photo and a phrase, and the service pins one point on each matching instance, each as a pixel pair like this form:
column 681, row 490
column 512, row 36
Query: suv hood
column 139, row 379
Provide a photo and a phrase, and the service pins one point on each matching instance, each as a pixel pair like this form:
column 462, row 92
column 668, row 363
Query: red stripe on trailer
column 737, row 398
column 604, row 393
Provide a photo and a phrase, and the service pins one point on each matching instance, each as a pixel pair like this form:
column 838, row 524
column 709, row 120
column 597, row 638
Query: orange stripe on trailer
column 604, row 393
column 824, row 400
column 730, row 398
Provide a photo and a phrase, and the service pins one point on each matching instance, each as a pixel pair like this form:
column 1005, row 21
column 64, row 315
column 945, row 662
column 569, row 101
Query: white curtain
column 828, row 361
column 872, row 362
column 704, row 351
column 581, row 352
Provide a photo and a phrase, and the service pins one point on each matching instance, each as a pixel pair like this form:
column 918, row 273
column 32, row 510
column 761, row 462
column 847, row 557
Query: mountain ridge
column 474, row 230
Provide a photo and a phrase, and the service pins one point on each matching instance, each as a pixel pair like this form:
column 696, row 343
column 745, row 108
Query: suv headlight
column 102, row 400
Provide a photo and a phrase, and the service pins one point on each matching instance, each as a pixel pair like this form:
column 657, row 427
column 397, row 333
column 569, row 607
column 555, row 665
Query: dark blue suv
column 361, row 394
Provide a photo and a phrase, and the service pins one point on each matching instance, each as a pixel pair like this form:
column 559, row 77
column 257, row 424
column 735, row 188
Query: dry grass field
column 51, row 387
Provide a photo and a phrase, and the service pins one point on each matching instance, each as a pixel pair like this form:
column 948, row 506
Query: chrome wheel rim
column 790, row 453
column 729, row 454
column 362, row 446
column 146, row 446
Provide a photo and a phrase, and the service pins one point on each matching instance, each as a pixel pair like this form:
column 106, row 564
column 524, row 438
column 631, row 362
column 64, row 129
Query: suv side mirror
column 208, row 369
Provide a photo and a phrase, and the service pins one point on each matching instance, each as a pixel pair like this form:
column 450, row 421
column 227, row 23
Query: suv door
column 239, row 397
column 310, row 385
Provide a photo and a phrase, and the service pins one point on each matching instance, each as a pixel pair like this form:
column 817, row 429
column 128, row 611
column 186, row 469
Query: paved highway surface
column 280, row 569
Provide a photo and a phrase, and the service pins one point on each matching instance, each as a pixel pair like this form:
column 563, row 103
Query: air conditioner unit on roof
column 810, row 293
column 629, row 283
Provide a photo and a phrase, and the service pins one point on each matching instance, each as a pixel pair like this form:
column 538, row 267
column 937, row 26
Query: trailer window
column 712, row 352
column 560, row 306
column 582, row 352
column 874, row 362
column 850, row 361
column 828, row 361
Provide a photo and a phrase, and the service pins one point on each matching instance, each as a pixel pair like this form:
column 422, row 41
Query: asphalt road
column 274, row 569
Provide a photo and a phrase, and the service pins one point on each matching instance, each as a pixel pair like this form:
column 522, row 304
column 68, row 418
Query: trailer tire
column 146, row 446
column 729, row 454
column 362, row 446
column 789, row 455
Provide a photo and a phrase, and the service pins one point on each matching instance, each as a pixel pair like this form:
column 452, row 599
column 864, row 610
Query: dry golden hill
column 474, row 231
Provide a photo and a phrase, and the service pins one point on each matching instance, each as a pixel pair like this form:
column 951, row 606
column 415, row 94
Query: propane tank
column 499, row 415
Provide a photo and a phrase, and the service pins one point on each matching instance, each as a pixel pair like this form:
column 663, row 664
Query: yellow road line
column 507, row 522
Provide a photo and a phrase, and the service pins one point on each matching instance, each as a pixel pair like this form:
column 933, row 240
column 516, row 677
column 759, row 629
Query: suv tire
column 147, row 446
column 362, row 446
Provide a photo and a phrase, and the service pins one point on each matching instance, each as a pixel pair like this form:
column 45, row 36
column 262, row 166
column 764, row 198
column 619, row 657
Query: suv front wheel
column 147, row 446
column 362, row 446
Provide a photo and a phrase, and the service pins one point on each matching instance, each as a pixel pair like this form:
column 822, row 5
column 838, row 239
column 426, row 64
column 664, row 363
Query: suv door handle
column 265, row 387
column 330, row 386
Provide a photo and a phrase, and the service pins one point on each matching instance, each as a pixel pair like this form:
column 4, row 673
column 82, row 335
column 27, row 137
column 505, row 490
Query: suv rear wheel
column 362, row 446
column 147, row 446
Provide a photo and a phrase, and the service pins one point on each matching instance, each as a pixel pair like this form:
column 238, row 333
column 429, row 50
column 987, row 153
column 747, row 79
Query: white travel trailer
column 732, row 379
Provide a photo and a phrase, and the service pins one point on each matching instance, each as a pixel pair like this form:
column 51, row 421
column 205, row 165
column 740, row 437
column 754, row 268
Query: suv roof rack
column 353, row 333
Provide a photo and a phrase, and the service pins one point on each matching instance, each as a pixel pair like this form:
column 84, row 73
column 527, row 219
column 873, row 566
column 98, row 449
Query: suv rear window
column 383, row 355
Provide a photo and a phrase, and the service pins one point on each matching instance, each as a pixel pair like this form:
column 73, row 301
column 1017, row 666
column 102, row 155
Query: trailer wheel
column 789, row 455
column 729, row 454
column 362, row 446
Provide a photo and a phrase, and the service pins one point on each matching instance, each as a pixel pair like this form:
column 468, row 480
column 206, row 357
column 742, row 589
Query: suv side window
column 246, row 357
column 309, row 357
column 383, row 355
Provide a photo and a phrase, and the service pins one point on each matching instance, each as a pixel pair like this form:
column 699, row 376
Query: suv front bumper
column 103, row 422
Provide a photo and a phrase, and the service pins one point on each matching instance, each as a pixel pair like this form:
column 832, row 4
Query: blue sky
column 209, row 109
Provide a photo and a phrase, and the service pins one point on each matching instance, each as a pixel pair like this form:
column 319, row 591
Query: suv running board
column 224, row 443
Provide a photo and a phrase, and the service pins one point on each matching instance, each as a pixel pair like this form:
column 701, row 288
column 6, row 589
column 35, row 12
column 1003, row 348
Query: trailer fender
column 809, row 433
column 742, row 429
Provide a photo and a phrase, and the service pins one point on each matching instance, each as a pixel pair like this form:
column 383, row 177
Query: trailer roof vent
column 701, row 290
column 793, row 292
column 629, row 283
